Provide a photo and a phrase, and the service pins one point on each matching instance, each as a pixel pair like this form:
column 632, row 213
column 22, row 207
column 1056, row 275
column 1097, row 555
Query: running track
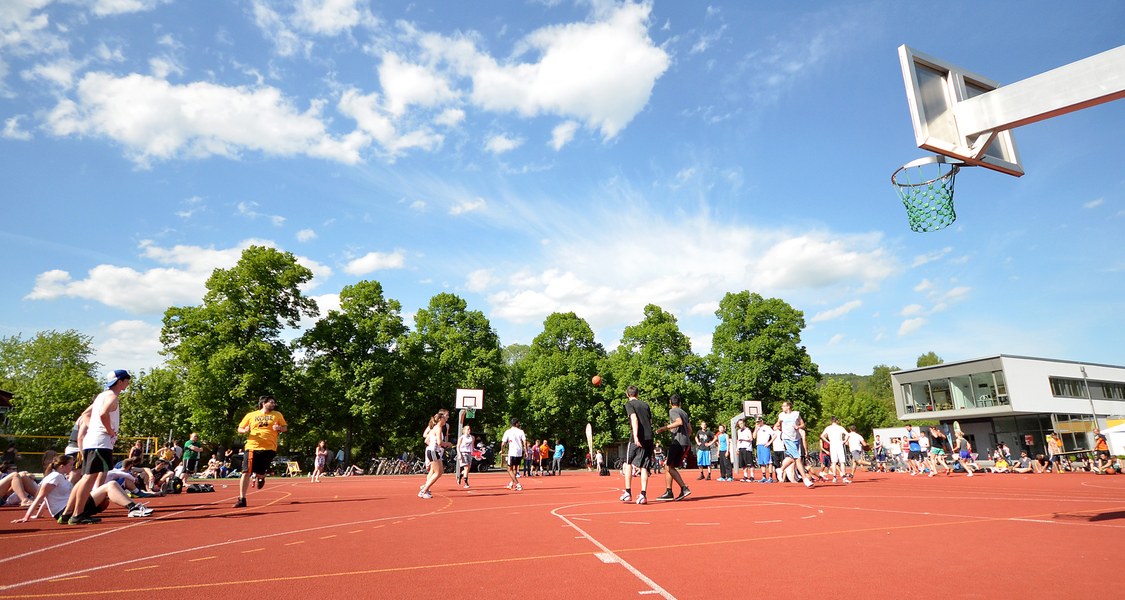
column 989, row 536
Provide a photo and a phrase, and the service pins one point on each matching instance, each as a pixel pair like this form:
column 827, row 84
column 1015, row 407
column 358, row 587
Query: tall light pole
column 1093, row 412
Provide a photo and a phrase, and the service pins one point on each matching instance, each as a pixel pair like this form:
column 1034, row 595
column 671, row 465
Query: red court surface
column 885, row 536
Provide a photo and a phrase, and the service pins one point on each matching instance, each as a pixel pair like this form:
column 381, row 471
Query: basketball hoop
column 926, row 189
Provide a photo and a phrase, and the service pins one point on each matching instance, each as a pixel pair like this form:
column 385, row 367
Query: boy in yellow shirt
column 262, row 428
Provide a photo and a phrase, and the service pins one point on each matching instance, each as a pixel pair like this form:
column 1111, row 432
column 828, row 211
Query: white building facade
column 1014, row 399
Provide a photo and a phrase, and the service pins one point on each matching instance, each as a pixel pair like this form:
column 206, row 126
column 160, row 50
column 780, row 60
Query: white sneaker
column 808, row 483
column 641, row 499
column 466, row 486
column 519, row 488
column 626, row 497
column 509, row 486
column 833, row 480
column 970, row 473
column 425, row 495
column 140, row 510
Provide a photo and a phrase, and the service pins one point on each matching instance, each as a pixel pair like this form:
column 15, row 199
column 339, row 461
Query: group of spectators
column 541, row 459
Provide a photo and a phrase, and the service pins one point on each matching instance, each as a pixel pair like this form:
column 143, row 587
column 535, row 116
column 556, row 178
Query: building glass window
column 961, row 390
column 920, row 393
column 1065, row 387
column 1105, row 390
column 939, row 393
column 1001, row 387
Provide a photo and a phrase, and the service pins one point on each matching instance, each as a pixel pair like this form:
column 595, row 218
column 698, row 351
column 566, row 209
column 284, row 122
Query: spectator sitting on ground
column 352, row 470
column 1041, row 464
column 161, row 475
column 1023, row 465
column 212, row 470
column 56, row 488
column 128, row 481
column 1000, row 466
column 1104, row 465
column 17, row 489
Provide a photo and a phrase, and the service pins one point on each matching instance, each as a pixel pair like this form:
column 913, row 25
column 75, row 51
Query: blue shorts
column 703, row 457
column 793, row 448
column 763, row 455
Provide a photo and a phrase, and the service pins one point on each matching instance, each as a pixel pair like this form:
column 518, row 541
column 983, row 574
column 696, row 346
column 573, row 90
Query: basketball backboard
column 752, row 408
column 470, row 399
column 934, row 88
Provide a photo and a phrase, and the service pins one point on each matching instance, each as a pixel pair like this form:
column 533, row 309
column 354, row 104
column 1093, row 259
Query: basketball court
column 568, row 536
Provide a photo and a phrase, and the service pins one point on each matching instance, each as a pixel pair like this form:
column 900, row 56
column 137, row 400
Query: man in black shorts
column 680, row 425
column 640, row 450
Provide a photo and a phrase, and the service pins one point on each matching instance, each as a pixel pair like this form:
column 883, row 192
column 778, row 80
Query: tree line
column 362, row 379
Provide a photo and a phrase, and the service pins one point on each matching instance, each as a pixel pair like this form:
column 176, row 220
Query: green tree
column 838, row 398
column 230, row 347
column 450, row 347
column 756, row 354
column 52, row 379
column 155, row 405
column 353, row 369
column 555, row 381
column 929, row 359
column 656, row 356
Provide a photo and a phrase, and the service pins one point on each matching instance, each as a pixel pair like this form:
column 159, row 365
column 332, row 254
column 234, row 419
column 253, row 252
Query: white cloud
column 499, row 144
column 924, row 285
column 418, row 206
column 405, row 84
column 193, row 205
column 606, row 277
column 467, row 206
column 480, row 280
column 911, row 325
column 59, row 72
column 374, row 121
column 196, row 120
column 836, row 339
column 450, row 117
column 328, row 17
column 931, row 257
column 250, row 211
column 562, row 134
column 1094, row 203
column 181, row 281
column 911, row 309
column 131, row 345
column 306, row 235
column 837, row 312
column 601, row 73
column 105, row 8
column 13, row 131
column 375, row 261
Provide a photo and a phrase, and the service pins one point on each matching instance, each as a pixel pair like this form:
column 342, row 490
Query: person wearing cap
column 97, row 446
column 262, row 428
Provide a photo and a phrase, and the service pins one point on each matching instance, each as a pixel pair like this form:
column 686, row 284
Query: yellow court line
column 202, row 559
column 254, row 550
column 295, row 543
column 327, row 537
column 136, row 569
column 356, row 531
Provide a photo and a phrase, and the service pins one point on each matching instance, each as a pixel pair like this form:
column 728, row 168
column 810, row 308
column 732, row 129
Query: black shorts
column 433, row 456
column 514, row 461
column 676, row 455
column 191, row 465
column 778, row 458
column 97, row 460
column 92, row 508
column 640, row 457
column 257, row 461
column 746, row 457
column 914, row 455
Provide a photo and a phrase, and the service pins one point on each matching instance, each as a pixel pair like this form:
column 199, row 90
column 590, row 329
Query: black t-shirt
column 640, row 408
column 704, row 437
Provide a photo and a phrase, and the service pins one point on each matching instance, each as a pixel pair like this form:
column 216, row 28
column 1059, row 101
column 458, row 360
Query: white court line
column 701, row 524
column 656, row 589
column 634, row 523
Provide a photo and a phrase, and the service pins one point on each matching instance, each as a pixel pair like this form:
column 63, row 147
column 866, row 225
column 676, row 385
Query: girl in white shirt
column 465, row 452
column 434, row 435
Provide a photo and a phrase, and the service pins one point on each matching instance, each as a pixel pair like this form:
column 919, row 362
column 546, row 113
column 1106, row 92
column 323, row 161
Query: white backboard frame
column 934, row 88
column 752, row 408
column 470, row 399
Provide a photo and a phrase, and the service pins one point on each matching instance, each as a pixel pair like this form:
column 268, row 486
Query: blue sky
column 547, row 156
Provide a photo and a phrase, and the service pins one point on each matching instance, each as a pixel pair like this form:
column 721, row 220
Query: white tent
column 1115, row 437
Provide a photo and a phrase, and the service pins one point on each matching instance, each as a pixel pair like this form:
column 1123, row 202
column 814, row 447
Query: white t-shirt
column 765, row 435
column 745, row 438
column 96, row 435
column 835, row 434
column 465, row 443
column 855, row 441
column 789, row 425
column 924, row 443
column 776, row 443
column 56, row 498
column 516, row 440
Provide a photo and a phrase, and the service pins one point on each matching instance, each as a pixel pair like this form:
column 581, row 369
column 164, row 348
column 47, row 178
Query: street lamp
column 1093, row 412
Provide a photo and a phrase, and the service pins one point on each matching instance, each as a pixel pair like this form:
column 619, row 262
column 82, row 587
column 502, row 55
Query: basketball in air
column 596, row 380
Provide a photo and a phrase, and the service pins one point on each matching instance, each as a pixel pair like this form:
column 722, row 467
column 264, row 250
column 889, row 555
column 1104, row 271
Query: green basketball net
column 926, row 189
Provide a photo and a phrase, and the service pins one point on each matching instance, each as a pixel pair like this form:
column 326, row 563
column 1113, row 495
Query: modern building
column 1014, row 399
